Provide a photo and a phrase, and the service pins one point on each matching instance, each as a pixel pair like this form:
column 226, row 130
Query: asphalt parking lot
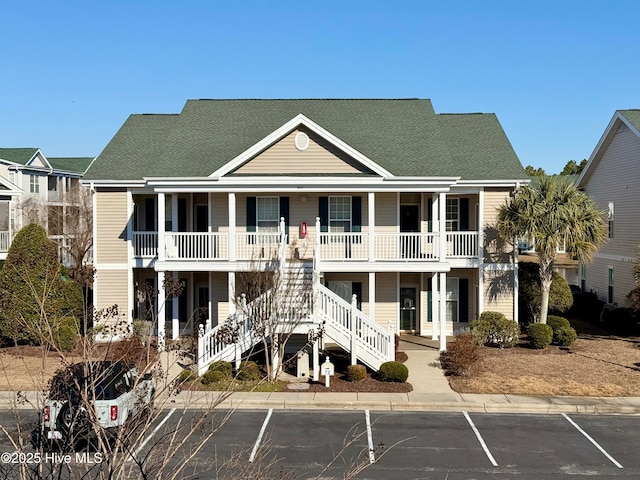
column 397, row 445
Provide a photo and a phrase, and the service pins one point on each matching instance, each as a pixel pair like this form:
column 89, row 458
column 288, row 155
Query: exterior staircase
column 301, row 299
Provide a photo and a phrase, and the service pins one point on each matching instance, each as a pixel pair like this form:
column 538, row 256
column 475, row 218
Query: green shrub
column 557, row 322
column 66, row 333
column 461, row 354
column 187, row 376
column 142, row 328
column 540, row 335
column 355, row 373
column 218, row 371
column 493, row 328
column 564, row 336
column 393, row 372
column 249, row 371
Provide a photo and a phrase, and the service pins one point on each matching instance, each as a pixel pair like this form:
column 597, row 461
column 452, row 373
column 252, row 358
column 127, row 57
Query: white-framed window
column 610, row 215
column 267, row 214
column 452, row 217
column 34, row 184
column 340, row 219
column 12, row 176
column 453, row 299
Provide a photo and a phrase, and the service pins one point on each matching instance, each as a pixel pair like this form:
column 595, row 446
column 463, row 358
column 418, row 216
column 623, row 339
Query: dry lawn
column 595, row 365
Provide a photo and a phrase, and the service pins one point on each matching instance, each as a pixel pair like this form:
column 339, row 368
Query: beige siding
column 219, row 297
column 494, row 198
column 387, row 309
column 616, row 178
column 219, row 212
column 597, row 280
column 112, row 289
column 498, row 292
column 284, row 157
column 386, row 217
column 111, row 215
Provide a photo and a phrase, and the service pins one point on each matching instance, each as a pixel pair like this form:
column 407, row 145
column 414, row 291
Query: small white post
column 391, row 355
column 316, row 360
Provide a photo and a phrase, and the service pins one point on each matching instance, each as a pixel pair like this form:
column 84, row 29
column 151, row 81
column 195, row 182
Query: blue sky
column 553, row 71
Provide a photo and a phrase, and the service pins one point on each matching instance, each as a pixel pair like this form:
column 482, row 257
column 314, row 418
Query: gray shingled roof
column 633, row 115
column 70, row 164
column 404, row 136
column 17, row 155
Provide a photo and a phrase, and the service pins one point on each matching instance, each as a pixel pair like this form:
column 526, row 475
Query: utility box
column 302, row 358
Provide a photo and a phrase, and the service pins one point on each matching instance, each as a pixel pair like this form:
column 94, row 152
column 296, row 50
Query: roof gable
column 341, row 157
column 627, row 118
column 20, row 156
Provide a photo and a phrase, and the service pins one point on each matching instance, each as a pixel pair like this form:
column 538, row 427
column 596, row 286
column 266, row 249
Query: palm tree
column 552, row 211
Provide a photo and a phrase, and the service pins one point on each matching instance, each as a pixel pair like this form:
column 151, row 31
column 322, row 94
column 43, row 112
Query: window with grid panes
column 267, row 214
column 339, row 214
column 452, row 217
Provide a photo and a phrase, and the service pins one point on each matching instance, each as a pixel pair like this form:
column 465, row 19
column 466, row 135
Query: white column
column 209, row 321
column 316, row 360
column 232, row 226
column 371, row 206
column 443, row 311
column 480, row 289
column 175, row 321
column 231, row 277
column 442, row 226
column 160, row 301
column 372, row 296
column 354, row 343
column 130, row 254
column 435, row 308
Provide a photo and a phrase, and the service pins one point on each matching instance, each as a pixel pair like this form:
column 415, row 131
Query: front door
column 408, row 311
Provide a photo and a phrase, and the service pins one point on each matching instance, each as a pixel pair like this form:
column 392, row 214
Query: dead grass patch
column 594, row 366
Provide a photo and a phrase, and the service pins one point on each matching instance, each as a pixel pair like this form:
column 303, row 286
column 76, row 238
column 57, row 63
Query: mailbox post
column 328, row 370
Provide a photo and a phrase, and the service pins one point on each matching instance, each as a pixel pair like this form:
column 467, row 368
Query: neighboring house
column 382, row 199
column 41, row 190
column 612, row 180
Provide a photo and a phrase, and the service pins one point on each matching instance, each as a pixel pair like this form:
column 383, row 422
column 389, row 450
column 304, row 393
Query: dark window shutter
column 150, row 214
column 356, row 212
column 464, row 214
column 284, row 212
column 463, row 300
column 251, row 214
column 324, row 213
column 356, row 289
column 430, row 214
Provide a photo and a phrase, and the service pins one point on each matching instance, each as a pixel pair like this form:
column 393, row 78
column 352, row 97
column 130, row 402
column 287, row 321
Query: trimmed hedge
column 564, row 336
column 557, row 322
column 218, row 372
column 356, row 373
column 249, row 371
column 540, row 335
column 393, row 372
column 493, row 328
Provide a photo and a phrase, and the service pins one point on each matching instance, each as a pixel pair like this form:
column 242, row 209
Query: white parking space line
column 604, row 452
column 259, row 439
column 372, row 454
column 481, row 440
column 146, row 440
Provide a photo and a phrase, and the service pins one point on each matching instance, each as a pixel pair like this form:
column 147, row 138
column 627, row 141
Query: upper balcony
column 325, row 247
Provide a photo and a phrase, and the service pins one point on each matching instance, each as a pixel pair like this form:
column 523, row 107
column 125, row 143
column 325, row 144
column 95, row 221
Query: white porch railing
column 226, row 341
column 352, row 330
column 462, row 244
column 5, row 241
column 337, row 247
column 145, row 244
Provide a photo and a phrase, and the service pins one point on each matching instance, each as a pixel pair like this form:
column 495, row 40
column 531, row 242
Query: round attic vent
column 301, row 141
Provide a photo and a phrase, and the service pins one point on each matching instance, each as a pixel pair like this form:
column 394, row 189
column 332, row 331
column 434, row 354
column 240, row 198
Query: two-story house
column 612, row 179
column 41, row 190
column 382, row 199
